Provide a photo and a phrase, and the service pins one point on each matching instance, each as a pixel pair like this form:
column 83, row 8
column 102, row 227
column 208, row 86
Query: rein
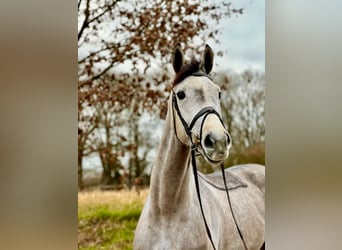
column 194, row 147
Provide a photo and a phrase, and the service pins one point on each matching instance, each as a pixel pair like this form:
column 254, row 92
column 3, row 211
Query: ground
column 107, row 219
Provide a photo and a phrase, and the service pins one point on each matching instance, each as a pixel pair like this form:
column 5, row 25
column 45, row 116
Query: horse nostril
column 228, row 139
column 208, row 141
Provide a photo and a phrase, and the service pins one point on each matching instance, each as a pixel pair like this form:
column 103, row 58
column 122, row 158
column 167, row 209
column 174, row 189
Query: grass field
column 107, row 219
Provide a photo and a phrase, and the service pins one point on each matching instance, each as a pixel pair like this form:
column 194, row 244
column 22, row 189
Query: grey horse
column 171, row 217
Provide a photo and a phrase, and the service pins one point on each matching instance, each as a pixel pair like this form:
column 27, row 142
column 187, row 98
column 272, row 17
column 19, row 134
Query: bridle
column 194, row 148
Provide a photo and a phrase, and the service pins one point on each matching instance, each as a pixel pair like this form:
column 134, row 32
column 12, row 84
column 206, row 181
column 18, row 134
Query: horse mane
column 186, row 71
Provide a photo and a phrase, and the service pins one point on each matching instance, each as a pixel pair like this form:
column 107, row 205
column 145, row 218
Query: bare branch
column 92, row 54
column 103, row 71
column 79, row 4
column 98, row 16
column 85, row 22
column 83, row 139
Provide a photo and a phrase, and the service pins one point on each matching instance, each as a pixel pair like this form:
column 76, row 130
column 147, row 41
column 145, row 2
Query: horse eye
column 181, row 95
column 219, row 95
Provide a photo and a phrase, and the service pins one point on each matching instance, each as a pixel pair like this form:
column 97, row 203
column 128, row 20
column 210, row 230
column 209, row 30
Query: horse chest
column 178, row 236
column 179, row 231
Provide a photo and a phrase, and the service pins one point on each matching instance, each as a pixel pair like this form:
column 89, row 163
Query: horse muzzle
column 215, row 141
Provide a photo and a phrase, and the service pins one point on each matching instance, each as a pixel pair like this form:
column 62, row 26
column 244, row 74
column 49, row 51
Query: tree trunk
column 135, row 150
column 80, row 171
column 106, row 173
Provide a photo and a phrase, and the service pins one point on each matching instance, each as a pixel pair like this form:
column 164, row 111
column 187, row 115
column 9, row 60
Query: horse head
column 196, row 107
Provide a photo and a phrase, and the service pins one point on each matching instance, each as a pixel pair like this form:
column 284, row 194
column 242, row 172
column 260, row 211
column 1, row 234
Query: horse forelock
column 186, row 71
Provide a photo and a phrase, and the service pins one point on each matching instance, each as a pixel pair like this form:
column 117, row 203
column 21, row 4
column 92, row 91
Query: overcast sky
column 243, row 38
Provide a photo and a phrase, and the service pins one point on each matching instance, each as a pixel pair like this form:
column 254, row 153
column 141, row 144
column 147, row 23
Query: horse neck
column 171, row 173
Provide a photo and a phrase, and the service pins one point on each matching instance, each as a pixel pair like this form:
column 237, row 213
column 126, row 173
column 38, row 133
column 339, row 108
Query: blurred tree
column 87, row 124
column 137, row 157
column 132, row 36
column 243, row 108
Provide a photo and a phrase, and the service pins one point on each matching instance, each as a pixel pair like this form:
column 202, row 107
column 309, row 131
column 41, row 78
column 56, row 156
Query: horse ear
column 177, row 58
column 208, row 59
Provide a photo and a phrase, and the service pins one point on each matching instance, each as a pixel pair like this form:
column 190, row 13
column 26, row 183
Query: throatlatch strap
column 194, row 168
